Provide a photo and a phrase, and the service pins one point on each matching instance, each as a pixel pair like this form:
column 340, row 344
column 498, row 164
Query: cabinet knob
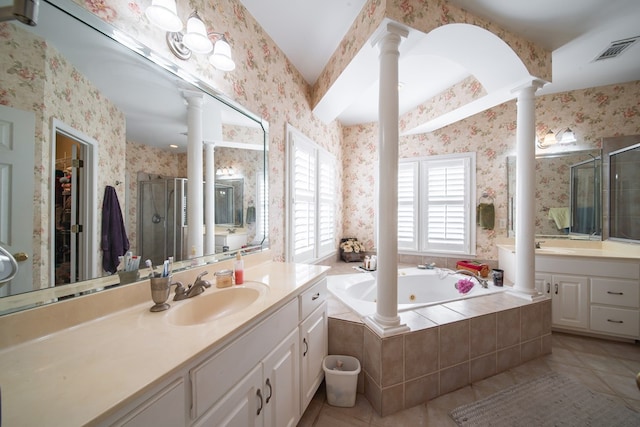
column 21, row 256
column 548, row 287
column 316, row 296
column 306, row 346
column 556, row 289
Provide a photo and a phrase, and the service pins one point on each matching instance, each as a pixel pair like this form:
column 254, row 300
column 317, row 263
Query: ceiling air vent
column 616, row 48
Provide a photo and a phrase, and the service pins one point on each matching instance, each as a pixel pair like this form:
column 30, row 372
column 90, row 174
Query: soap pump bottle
column 239, row 269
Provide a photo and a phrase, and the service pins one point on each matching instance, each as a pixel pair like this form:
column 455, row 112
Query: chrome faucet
column 197, row 288
column 482, row 282
column 538, row 244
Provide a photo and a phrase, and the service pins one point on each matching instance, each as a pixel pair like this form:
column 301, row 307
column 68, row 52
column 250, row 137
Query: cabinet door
column 164, row 408
column 281, row 384
column 242, row 406
column 313, row 349
column 543, row 283
column 569, row 305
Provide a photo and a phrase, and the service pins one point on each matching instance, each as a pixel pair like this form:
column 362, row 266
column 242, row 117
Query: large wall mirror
column 92, row 114
column 568, row 193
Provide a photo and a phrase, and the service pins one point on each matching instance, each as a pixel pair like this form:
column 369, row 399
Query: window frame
column 322, row 159
column 420, row 243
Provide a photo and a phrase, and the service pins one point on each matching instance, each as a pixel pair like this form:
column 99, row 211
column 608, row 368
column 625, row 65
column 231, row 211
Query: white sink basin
column 215, row 304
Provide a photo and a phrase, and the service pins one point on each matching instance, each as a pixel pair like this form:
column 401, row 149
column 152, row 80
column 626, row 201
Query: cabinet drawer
column 625, row 293
column 313, row 298
column 617, row 321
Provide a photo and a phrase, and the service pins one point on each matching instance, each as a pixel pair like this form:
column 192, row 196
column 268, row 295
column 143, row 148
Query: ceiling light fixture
column 196, row 38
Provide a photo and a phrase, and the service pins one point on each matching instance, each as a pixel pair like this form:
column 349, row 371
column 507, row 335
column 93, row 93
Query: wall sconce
column 565, row 136
column 25, row 11
column 163, row 14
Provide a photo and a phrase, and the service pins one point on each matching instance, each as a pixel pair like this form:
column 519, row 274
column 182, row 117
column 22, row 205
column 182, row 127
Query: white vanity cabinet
column 313, row 340
column 569, row 298
column 593, row 295
column 251, row 383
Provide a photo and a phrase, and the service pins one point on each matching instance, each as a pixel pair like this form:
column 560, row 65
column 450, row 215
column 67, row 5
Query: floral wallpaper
column 266, row 83
column 35, row 77
column 423, row 15
column 592, row 113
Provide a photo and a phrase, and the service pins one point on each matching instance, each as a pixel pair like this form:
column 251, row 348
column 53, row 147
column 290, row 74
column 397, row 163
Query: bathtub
column 416, row 288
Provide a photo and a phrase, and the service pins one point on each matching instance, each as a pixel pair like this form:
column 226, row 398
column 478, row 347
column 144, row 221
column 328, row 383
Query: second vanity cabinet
column 592, row 295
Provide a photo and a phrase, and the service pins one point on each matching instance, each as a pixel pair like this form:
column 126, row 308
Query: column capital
column 389, row 29
column 193, row 97
column 532, row 85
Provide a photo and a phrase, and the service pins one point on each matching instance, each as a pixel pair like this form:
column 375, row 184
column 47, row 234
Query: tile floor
column 603, row 366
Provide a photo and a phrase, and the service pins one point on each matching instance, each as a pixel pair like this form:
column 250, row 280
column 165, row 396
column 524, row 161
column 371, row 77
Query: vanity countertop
column 578, row 248
column 79, row 374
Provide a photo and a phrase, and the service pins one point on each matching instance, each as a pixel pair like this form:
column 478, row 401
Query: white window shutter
column 326, row 203
column 408, row 205
column 447, row 192
column 304, row 201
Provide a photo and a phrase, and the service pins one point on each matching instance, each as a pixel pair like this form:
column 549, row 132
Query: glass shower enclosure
column 586, row 200
column 162, row 219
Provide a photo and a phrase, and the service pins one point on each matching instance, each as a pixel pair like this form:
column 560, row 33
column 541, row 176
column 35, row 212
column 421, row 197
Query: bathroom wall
column 592, row 113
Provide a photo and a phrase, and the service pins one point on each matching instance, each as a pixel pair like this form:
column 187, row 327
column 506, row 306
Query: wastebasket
column 341, row 378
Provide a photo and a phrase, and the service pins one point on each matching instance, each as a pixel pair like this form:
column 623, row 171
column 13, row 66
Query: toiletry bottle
column 239, row 269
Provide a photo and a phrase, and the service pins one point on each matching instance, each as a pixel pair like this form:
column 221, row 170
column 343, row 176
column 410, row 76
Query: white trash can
column 341, row 378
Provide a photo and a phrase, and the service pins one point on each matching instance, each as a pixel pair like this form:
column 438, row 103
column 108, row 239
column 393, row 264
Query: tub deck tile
column 416, row 322
column 440, row 314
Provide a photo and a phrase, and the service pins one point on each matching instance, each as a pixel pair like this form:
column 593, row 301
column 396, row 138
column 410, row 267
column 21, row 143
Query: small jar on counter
column 224, row 278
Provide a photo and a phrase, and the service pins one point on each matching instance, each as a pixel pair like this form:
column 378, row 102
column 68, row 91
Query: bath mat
column 550, row 400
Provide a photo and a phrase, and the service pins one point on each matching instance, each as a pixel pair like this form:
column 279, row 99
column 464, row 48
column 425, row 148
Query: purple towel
column 114, row 241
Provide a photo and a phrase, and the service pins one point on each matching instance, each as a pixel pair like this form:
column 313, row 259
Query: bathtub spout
column 482, row 282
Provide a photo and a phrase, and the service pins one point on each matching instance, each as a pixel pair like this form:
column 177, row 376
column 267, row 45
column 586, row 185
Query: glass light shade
column 566, row 137
column 196, row 37
column 163, row 14
column 221, row 58
column 549, row 139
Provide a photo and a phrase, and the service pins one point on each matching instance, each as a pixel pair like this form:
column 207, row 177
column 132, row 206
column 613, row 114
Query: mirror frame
column 13, row 303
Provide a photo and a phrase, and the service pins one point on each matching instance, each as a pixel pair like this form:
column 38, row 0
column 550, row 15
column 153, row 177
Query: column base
column 385, row 330
column 529, row 295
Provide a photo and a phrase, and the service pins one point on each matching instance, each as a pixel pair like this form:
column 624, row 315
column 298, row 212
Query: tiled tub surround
column 448, row 347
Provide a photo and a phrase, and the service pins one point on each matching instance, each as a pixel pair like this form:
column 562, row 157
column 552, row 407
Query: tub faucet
column 197, row 288
column 482, row 282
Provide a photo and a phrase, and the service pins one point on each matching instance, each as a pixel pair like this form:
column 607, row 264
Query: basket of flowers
column 351, row 250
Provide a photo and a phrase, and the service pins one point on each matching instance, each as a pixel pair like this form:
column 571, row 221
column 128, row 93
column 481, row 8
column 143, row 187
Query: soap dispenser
column 239, row 269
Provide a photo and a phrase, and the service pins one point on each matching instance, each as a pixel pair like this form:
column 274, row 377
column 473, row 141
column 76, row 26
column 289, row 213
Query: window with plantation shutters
column 312, row 188
column 434, row 204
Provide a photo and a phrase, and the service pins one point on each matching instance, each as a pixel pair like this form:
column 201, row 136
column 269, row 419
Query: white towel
column 561, row 217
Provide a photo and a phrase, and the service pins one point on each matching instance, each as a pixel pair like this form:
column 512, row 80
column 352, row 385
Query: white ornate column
column 525, row 190
column 195, row 227
column 386, row 321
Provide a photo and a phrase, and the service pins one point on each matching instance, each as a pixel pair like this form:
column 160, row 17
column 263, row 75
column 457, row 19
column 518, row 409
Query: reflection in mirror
column 66, row 73
column 624, row 193
column 229, row 202
column 568, row 195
